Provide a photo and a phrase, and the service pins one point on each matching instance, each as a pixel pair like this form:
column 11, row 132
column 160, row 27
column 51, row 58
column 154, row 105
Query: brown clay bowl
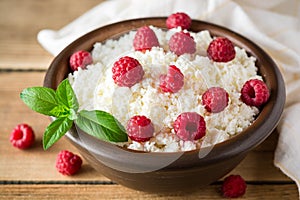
column 179, row 171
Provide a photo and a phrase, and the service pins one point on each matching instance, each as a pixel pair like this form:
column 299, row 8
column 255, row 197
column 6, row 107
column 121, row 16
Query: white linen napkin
column 272, row 24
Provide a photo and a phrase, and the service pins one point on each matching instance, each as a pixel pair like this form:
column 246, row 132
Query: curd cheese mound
column 96, row 89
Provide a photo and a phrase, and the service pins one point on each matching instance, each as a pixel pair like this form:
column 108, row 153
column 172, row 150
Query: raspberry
column 80, row 59
column 215, row 99
column 127, row 71
column 179, row 19
column 22, row 136
column 234, row 186
column 190, row 126
column 181, row 43
column 255, row 93
column 173, row 81
column 145, row 39
column 140, row 128
column 68, row 163
column 221, row 49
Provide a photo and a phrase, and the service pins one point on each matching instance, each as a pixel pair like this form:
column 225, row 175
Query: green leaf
column 60, row 111
column 55, row 131
column 101, row 125
column 40, row 99
column 66, row 95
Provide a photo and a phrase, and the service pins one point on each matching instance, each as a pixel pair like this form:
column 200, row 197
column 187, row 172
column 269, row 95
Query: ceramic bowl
column 178, row 171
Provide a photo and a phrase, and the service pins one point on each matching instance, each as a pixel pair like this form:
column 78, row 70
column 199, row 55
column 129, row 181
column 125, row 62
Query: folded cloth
column 286, row 155
column 274, row 25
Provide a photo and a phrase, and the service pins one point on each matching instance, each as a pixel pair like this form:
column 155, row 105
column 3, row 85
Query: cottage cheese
column 96, row 89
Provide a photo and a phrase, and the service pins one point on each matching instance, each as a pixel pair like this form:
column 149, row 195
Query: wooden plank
column 259, row 166
column 38, row 165
column 19, row 54
column 66, row 192
column 45, row 14
column 20, row 24
column 34, row 163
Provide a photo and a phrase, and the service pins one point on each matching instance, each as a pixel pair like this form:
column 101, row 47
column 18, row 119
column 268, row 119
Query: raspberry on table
column 221, row 49
column 215, row 99
column 173, row 81
column 68, row 163
column 181, row 43
column 234, row 186
column 190, row 126
column 255, row 93
column 140, row 128
column 145, row 39
column 80, row 59
column 127, row 71
column 179, row 19
column 22, row 136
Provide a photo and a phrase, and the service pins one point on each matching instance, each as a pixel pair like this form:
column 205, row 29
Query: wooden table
column 31, row 174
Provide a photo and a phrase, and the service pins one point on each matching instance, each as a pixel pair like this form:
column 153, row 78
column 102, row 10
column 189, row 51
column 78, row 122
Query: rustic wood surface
column 31, row 174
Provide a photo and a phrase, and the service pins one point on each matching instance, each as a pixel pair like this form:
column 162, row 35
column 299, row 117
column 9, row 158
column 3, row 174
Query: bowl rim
column 242, row 142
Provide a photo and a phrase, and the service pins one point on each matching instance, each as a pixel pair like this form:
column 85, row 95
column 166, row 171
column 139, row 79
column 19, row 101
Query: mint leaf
column 66, row 96
column 40, row 99
column 101, row 125
column 55, row 131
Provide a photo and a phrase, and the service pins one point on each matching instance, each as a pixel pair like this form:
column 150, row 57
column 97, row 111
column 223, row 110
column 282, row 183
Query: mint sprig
column 63, row 105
